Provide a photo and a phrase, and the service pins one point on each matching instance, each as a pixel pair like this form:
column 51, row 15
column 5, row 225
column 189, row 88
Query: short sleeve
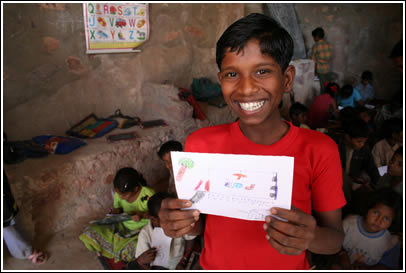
column 357, row 96
column 116, row 201
column 144, row 242
column 327, row 184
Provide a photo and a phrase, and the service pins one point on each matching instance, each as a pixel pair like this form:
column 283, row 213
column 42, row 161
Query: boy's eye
column 387, row 219
column 230, row 75
column 262, row 71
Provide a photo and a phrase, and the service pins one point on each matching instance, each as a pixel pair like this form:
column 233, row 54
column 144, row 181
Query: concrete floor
column 66, row 252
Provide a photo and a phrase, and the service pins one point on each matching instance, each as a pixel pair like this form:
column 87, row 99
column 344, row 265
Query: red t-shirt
column 237, row 244
column 318, row 114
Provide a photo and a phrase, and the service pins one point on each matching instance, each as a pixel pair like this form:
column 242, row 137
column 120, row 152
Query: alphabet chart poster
column 238, row 186
column 115, row 28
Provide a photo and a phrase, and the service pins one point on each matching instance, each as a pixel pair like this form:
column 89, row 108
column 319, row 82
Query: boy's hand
column 292, row 237
column 147, row 257
column 174, row 221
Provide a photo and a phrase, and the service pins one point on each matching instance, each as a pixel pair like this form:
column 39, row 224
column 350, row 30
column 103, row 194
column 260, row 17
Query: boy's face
column 167, row 160
column 365, row 116
column 379, row 218
column 253, row 84
column 358, row 142
column 395, row 166
column 154, row 221
column 302, row 118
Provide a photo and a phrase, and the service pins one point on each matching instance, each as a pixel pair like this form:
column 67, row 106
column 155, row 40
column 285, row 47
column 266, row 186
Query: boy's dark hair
column 318, row 32
column 332, row 89
column 346, row 91
column 296, row 109
column 170, row 146
column 366, row 75
column 356, row 128
column 390, row 126
column 397, row 50
column 274, row 40
column 154, row 203
column 128, row 179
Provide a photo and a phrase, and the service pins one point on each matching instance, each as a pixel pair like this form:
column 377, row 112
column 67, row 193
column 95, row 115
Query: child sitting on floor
column 348, row 97
column 393, row 139
column 164, row 154
column 146, row 253
column 323, row 107
column 367, row 243
column 118, row 241
column 355, row 155
column 365, row 88
column 298, row 115
column 394, row 176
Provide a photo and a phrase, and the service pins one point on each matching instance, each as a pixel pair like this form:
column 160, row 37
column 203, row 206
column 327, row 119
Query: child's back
column 322, row 107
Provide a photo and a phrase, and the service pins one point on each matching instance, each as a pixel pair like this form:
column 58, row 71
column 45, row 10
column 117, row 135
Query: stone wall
column 50, row 83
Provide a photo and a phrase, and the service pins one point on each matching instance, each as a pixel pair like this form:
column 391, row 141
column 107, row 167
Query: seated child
column 367, row 243
column 164, row 154
column 394, row 176
column 348, row 97
column 298, row 115
column 323, row 107
column 365, row 88
column 393, row 139
column 355, row 155
column 118, row 241
column 145, row 253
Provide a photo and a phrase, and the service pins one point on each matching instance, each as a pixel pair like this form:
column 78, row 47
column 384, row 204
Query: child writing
column 365, row 88
column 298, row 115
column 393, row 138
column 355, row 155
column 165, row 155
column 367, row 243
column 323, row 107
column 253, row 56
column 348, row 97
column 145, row 253
column 119, row 241
column 394, row 176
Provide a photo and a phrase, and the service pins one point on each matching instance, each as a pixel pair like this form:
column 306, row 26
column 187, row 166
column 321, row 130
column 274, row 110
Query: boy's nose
column 248, row 85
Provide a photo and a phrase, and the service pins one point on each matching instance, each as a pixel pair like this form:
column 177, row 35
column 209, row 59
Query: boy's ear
column 289, row 76
column 219, row 76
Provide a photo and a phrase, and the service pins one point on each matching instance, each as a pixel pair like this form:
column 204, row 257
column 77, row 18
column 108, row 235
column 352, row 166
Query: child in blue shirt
column 365, row 88
column 348, row 96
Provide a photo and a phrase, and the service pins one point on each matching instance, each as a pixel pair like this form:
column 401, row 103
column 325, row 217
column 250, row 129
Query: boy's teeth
column 251, row 106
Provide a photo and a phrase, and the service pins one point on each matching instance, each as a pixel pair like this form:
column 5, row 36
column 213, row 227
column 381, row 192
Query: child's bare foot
column 38, row 257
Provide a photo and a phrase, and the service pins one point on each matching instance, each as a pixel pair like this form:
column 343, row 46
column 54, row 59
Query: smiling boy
column 253, row 56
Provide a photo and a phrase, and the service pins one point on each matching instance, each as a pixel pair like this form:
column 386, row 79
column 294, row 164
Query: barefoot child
column 119, row 241
column 253, row 56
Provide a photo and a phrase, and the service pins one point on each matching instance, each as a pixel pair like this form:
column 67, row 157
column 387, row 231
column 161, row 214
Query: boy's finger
column 175, row 215
column 293, row 215
column 288, row 228
column 283, row 249
column 174, row 203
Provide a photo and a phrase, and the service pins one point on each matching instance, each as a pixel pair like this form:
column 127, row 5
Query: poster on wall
column 115, row 28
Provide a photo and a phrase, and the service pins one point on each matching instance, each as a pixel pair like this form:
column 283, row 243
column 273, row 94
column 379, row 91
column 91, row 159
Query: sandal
column 38, row 257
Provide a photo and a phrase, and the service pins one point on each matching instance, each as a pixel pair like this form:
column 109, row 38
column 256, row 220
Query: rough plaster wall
column 362, row 35
column 50, row 83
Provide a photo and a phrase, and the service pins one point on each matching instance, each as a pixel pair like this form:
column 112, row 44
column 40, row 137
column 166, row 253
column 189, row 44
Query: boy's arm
column 302, row 232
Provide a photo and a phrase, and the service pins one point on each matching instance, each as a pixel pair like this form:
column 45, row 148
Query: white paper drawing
column 162, row 243
column 238, row 186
